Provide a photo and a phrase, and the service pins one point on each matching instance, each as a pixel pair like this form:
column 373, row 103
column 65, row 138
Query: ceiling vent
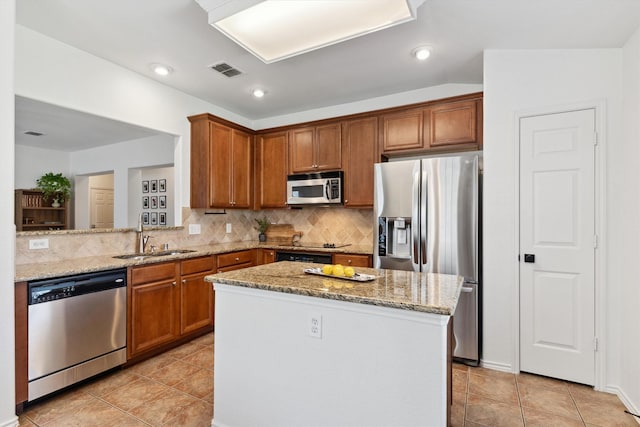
column 32, row 133
column 226, row 69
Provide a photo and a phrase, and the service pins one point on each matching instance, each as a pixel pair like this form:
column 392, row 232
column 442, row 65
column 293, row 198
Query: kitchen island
column 295, row 349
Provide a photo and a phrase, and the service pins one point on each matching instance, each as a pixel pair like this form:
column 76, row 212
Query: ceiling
column 135, row 34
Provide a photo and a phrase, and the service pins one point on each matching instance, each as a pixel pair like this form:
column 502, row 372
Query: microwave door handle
column 326, row 189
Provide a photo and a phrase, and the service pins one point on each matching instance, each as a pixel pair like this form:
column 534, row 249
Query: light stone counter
column 407, row 290
column 45, row 270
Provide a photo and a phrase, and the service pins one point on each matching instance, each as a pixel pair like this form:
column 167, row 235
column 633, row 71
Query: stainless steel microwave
column 322, row 188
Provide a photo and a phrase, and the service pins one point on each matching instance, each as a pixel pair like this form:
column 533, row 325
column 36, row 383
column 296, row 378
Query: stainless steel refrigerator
column 427, row 218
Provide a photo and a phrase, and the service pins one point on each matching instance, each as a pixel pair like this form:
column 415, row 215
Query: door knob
column 529, row 258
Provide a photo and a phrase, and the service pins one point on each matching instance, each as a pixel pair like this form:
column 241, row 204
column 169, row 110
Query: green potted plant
column 54, row 187
column 263, row 225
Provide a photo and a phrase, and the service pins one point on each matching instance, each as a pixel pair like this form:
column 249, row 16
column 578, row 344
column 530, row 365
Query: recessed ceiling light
column 274, row 30
column 161, row 70
column 258, row 93
column 421, row 53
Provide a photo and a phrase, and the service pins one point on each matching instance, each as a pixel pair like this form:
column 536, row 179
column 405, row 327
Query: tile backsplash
column 318, row 225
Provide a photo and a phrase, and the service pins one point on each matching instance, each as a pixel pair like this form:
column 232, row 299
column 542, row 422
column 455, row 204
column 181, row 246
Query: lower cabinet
column 265, row 256
column 167, row 302
column 353, row 260
column 235, row 260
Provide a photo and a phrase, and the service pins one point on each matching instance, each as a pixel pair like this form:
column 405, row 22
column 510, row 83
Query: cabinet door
column 241, row 170
column 267, row 256
column 301, row 150
column 402, row 131
column 271, row 174
column 360, row 140
column 328, row 147
column 196, row 300
column 221, row 160
column 154, row 315
column 451, row 124
column 352, row 260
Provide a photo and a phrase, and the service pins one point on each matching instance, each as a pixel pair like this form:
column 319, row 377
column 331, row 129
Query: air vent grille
column 226, row 69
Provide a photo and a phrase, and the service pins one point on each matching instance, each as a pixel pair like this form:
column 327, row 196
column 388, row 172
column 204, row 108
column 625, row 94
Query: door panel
column 557, row 225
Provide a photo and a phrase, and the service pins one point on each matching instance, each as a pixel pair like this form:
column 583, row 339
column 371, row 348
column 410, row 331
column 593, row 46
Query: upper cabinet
column 453, row 125
column 221, row 164
column 272, row 153
column 359, row 143
column 317, row 148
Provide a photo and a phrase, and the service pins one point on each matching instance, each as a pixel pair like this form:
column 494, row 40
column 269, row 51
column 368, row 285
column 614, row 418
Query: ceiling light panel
column 274, row 30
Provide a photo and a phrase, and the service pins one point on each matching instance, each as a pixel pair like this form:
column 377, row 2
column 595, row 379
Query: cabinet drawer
column 352, row 260
column 197, row 265
column 233, row 258
column 153, row 273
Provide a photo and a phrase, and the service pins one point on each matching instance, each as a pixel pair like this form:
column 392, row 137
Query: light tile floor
column 176, row 389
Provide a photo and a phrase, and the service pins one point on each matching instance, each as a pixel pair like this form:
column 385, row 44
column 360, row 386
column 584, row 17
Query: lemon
column 327, row 269
column 338, row 270
column 349, row 272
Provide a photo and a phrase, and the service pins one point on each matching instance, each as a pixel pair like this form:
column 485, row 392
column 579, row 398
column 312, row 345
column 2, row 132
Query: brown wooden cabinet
column 221, row 164
column 449, row 125
column 272, row 154
column 33, row 212
column 317, row 148
column 265, row 256
column 359, row 148
column 235, row 260
column 353, row 260
column 168, row 301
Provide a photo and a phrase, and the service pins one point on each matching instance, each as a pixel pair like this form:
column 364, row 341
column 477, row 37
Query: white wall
column 7, row 229
column 518, row 81
column 120, row 158
column 626, row 227
column 32, row 163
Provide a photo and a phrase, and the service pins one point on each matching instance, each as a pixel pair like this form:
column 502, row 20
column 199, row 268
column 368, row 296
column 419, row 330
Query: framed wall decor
column 162, row 202
column 145, row 186
column 145, row 202
column 145, row 218
column 154, row 202
column 163, row 218
column 154, row 185
column 154, row 218
column 162, row 185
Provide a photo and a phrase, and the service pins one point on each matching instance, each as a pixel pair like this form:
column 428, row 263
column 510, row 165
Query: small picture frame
column 154, row 202
column 145, row 218
column 145, row 202
column 162, row 218
column 154, row 218
column 162, row 185
column 154, row 185
column 162, row 202
column 145, row 186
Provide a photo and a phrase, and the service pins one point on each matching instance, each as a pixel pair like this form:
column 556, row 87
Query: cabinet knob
column 349, row 261
column 174, row 283
column 237, row 259
column 184, row 281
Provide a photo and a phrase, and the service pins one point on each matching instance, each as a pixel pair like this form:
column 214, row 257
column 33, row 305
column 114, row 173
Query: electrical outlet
column 194, row 228
column 39, row 244
column 228, row 227
column 315, row 325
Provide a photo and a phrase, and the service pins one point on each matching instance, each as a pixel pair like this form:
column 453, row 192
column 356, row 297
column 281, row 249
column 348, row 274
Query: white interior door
column 101, row 208
column 557, row 227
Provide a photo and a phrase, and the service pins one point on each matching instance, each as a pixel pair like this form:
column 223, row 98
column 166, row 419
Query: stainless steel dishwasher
column 77, row 328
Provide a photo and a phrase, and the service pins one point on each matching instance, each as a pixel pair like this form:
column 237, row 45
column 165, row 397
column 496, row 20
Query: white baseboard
column 503, row 367
column 13, row 422
column 624, row 399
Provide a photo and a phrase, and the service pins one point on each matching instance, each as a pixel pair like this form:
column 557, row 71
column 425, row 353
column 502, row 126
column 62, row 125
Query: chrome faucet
column 140, row 237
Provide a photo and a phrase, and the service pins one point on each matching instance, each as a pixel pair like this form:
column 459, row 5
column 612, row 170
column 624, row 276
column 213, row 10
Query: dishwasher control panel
column 48, row 290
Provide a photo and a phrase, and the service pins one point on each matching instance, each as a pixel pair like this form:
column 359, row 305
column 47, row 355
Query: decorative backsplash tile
column 318, row 225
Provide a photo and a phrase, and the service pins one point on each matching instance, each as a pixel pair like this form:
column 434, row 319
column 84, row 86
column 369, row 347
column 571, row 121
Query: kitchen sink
column 132, row 256
column 153, row 254
column 171, row 252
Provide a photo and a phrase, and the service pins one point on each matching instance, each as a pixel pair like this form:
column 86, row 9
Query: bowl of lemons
column 340, row 272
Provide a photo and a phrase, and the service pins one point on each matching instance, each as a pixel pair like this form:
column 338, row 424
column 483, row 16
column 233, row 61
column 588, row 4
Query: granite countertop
column 407, row 290
column 45, row 270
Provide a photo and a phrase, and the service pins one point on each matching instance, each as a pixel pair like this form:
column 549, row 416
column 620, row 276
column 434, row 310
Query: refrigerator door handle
column 466, row 290
column 424, row 217
column 415, row 211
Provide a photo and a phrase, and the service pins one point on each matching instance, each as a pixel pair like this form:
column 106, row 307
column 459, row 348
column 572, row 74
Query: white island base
column 370, row 365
